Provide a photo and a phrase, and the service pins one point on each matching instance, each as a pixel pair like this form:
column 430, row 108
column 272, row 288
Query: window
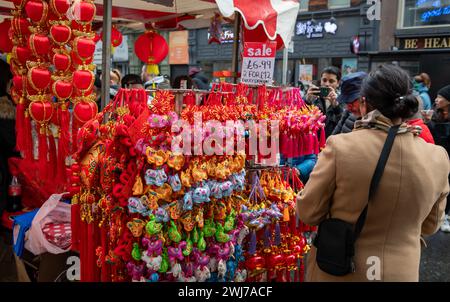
column 338, row 3
column 304, row 5
column 424, row 13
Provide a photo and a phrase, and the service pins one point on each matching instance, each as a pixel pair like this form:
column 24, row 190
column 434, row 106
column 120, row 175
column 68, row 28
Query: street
column 435, row 260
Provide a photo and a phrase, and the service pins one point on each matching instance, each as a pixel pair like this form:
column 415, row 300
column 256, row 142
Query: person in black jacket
column 439, row 125
column 7, row 131
column 329, row 105
column 350, row 95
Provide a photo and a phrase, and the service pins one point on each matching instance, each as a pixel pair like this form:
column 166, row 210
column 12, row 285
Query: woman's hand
column 332, row 98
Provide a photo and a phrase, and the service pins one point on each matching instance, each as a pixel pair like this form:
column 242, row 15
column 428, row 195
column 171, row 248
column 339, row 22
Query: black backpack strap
column 377, row 176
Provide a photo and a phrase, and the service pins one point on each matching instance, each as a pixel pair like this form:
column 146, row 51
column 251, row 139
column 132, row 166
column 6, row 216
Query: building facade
column 415, row 35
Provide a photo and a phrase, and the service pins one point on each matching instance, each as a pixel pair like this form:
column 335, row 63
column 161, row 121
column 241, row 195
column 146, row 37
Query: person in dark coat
column 7, row 131
column 199, row 80
column 350, row 95
column 439, row 125
column 330, row 78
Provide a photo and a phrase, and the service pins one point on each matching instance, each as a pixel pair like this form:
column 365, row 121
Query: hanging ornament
column 215, row 29
column 6, row 44
column 116, row 37
column 151, row 48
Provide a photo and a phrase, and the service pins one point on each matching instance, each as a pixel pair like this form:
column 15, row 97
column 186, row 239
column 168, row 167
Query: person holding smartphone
column 325, row 97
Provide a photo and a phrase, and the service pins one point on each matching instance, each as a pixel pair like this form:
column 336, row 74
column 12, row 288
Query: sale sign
column 258, row 62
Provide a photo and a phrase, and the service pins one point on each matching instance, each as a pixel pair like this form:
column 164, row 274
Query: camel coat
column 410, row 201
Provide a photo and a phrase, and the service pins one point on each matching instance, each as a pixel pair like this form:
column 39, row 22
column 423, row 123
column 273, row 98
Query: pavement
column 435, row 259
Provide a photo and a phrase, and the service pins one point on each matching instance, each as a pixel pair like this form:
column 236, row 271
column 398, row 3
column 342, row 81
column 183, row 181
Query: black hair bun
column 405, row 106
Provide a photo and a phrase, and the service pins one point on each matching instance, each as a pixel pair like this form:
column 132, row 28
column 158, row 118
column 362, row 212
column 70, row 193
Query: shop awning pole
column 285, row 64
column 235, row 60
column 106, row 51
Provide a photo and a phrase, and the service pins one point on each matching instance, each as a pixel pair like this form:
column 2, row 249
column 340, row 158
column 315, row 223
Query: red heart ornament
column 84, row 47
column 62, row 89
column 41, row 111
column 83, row 79
column 85, row 111
column 59, row 7
column 37, row 11
column 22, row 54
column 84, row 12
column 62, row 62
column 39, row 44
column 60, row 33
column 39, row 78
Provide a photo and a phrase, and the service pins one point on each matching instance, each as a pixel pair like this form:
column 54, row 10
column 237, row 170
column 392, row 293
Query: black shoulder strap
column 377, row 176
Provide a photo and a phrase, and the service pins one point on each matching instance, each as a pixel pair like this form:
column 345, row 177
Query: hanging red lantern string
column 151, row 48
column 62, row 88
column 20, row 54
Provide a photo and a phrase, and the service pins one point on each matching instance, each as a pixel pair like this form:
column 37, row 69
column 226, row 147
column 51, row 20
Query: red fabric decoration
column 20, row 26
column 22, row 54
column 62, row 89
column 258, row 35
column 37, row 11
column 62, row 61
column 84, row 48
column 59, row 7
column 84, row 12
column 151, row 48
column 39, row 78
column 85, row 111
column 83, row 79
column 39, row 44
column 116, row 37
column 5, row 41
column 60, row 33
column 41, row 111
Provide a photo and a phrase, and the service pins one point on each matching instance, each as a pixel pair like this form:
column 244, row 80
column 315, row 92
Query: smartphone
column 324, row 91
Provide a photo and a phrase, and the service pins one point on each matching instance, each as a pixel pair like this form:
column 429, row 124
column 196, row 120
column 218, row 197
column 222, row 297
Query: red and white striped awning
column 276, row 16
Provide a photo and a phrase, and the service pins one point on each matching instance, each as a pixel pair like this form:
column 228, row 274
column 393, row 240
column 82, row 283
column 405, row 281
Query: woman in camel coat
column 411, row 196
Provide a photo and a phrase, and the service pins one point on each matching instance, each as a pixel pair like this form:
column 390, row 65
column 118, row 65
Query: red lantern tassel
column 302, row 271
column 64, row 142
column 20, row 124
column 43, row 152
column 51, row 164
column 27, row 138
column 75, row 225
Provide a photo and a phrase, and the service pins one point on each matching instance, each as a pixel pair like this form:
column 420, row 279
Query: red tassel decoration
column 43, row 151
column 51, row 165
column 104, row 268
column 322, row 140
column 27, row 138
column 20, row 124
column 64, row 141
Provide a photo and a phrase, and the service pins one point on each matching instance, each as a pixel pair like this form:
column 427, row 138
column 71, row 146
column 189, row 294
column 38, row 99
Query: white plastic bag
column 52, row 211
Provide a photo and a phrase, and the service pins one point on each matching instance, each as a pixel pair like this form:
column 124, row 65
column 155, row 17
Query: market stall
column 140, row 211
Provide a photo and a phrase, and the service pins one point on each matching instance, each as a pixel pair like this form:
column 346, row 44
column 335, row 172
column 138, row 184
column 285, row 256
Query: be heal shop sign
column 258, row 62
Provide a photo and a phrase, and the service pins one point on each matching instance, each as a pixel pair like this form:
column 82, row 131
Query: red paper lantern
column 37, row 11
column 151, row 48
column 259, row 35
column 41, row 111
column 39, row 44
column 60, row 33
column 116, row 37
column 85, row 111
column 5, row 41
column 39, row 78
